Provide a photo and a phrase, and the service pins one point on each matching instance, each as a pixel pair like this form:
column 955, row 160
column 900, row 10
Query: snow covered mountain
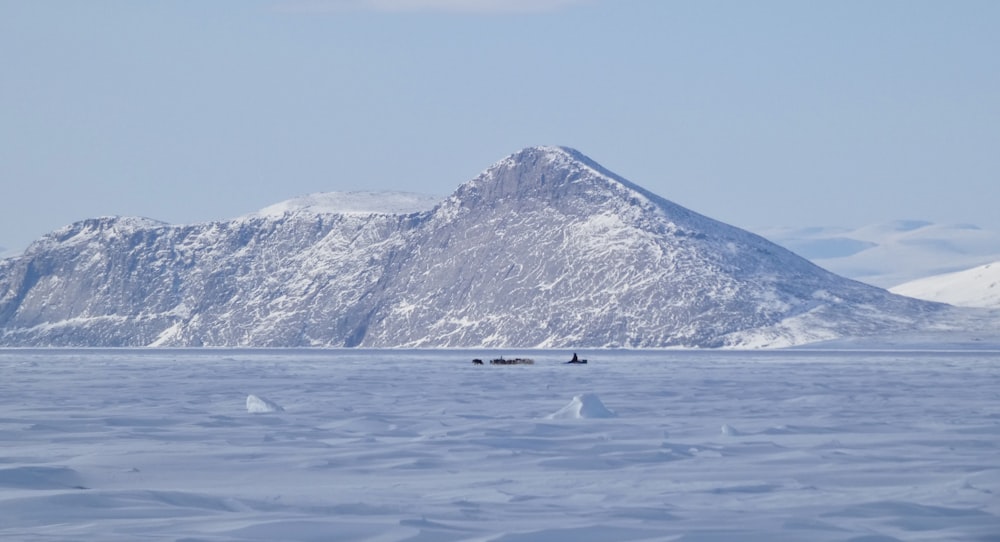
column 545, row 248
column 977, row 287
column 891, row 253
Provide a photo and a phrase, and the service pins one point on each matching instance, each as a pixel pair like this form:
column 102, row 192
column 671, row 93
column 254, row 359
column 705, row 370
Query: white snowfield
column 397, row 445
column 976, row 287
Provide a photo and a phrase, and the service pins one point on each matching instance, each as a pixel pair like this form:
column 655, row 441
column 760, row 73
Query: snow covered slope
column 892, row 253
column 977, row 287
column 545, row 248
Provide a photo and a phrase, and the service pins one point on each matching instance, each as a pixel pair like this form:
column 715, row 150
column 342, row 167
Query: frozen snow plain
column 424, row 446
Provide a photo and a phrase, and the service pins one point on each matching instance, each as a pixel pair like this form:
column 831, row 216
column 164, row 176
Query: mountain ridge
column 545, row 248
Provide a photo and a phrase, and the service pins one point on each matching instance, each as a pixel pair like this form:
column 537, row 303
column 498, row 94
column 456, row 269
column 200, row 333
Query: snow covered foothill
column 976, row 287
column 404, row 445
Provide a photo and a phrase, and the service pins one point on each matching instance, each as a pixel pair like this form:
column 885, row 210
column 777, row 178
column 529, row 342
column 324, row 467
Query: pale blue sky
column 759, row 114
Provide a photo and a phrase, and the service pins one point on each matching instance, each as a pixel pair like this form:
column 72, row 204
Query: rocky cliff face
column 298, row 279
column 546, row 248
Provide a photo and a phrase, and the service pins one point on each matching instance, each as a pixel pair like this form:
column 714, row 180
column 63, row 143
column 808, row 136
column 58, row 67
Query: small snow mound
column 260, row 405
column 586, row 405
column 729, row 430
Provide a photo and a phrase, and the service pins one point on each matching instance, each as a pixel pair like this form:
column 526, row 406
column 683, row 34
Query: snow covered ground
column 976, row 287
column 223, row 445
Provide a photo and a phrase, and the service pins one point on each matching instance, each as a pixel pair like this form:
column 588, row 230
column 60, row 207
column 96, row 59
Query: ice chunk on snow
column 259, row 405
column 587, row 405
column 729, row 430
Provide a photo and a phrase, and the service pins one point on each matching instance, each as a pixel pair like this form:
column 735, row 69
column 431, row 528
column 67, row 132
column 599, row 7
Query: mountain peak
column 545, row 175
column 555, row 157
column 555, row 152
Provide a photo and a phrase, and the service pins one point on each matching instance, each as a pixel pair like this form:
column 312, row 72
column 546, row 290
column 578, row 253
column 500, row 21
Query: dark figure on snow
column 576, row 359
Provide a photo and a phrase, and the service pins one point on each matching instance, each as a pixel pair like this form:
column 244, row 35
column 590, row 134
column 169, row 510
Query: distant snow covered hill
column 352, row 203
column 546, row 248
column 894, row 252
column 977, row 287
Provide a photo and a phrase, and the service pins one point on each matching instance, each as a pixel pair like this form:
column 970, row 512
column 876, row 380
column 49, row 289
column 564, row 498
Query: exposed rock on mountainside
column 545, row 248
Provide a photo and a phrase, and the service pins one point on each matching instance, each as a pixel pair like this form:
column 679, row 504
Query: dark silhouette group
column 522, row 361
